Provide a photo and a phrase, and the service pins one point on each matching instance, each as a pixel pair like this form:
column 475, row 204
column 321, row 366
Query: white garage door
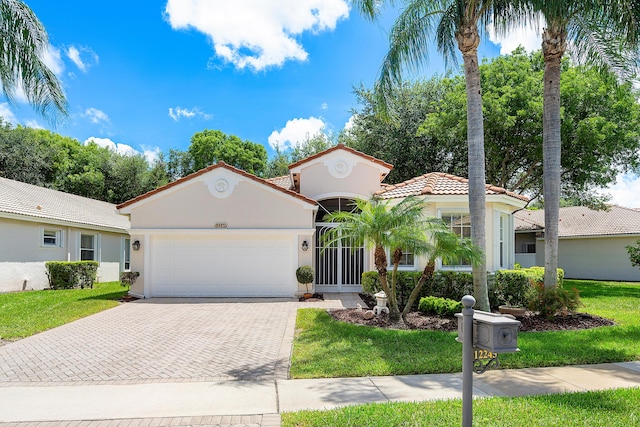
column 222, row 267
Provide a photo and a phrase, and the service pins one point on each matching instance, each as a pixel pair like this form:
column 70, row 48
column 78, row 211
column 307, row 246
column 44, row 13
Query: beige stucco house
column 591, row 244
column 39, row 225
column 224, row 232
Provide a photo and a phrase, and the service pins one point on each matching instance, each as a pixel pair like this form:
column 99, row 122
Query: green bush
column 556, row 300
column 439, row 306
column 69, row 275
column 128, row 278
column 516, row 287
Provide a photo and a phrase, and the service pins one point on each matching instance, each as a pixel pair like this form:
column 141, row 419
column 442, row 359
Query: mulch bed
column 531, row 322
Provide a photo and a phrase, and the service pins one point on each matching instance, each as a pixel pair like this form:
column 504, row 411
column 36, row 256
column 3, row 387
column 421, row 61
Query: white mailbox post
column 483, row 336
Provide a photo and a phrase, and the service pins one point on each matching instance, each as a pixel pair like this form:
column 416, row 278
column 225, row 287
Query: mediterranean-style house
column 39, row 224
column 591, row 244
column 224, row 232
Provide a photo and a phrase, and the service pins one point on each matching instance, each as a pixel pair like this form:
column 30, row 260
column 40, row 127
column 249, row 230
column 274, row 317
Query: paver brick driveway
column 168, row 339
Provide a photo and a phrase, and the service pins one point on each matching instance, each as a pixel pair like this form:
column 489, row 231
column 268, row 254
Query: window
column 127, row 255
column 88, row 247
column 52, row 238
column 459, row 223
column 406, row 262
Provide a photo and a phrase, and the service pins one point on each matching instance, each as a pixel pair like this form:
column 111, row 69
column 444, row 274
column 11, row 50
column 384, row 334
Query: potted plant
column 304, row 274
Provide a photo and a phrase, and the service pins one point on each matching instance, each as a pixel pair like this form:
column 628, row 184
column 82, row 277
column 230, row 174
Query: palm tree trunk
column 553, row 47
column 468, row 40
column 380, row 260
column 427, row 274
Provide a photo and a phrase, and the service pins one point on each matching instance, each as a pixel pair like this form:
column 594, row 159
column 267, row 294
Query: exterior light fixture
column 136, row 245
column 305, row 245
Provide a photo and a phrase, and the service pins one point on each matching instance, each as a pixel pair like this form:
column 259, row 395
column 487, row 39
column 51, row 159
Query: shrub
column 304, row 274
column 556, row 300
column 515, row 287
column 439, row 306
column 634, row 254
column 69, row 275
column 128, row 278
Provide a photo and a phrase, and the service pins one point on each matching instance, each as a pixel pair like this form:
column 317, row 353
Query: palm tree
column 452, row 23
column 443, row 244
column 603, row 33
column 23, row 41
column 376, row 224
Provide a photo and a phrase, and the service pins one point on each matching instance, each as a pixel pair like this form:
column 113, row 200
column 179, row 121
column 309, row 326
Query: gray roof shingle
column 29, row 200
column 577, row 221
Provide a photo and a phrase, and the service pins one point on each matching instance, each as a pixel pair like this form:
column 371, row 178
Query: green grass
column 611, row 408
column 26, row 313
column 324, row 347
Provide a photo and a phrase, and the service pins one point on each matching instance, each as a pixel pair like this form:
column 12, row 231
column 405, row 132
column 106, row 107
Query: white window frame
column 401, row 266
column 504, row 240
column 59, row 237
column 452, row 267
column 126, row 253
column 96, row 246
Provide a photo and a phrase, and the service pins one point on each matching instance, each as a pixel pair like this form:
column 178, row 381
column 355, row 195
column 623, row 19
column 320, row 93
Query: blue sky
column 146, row 75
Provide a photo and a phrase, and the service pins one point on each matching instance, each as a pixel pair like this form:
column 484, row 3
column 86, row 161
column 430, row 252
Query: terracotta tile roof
column 29, row 200
column 341, row 147
column 437, row 183
column 577, row 221
column 208, row 169
column 282, row 181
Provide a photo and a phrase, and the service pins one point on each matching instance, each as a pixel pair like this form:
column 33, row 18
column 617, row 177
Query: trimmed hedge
column 514, row 287
column 439, row 306
column 70, row 275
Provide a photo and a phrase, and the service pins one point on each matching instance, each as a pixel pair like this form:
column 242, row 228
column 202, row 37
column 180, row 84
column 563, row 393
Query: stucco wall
column 194, row 207
column 597, row 259
column 316, row 181
column 22, row 255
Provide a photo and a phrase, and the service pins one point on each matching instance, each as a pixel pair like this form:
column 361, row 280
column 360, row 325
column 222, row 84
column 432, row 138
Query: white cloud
column 33, row 124
column 524, row 35
column 95, row 116
column 178, row 112
column 350, row 123
column 626, row 191
column 151, row 154
column 256, row 33
column 53, row 59
column 83, row 57
column 124, row 149
column 296, row 131
column 7, row 114
column 324, row 106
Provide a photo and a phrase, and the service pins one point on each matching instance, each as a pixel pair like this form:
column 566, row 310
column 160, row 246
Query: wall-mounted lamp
column 136, row 245
column 305, row 245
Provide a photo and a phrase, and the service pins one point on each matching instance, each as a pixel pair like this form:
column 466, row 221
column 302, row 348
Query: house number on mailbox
column 483, row 360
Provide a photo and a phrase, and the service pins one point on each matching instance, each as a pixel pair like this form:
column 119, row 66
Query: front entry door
column 339, row 268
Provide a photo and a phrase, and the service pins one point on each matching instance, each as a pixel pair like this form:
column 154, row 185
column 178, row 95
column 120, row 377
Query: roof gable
column 32, row 201
column 201, row 174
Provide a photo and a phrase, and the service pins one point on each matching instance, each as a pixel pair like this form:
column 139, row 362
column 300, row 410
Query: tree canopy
column 600, row 127
column 212, row 146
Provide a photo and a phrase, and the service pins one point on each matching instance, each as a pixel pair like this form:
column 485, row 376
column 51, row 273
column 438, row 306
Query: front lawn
column 611, row 408
column 26, row 313
column 324, row 347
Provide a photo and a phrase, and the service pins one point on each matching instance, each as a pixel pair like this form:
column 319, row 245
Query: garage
column 223, row 266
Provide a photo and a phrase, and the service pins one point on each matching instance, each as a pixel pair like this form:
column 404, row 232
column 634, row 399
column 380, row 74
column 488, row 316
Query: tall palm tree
column 452, row 23
column 603, row 33
column 378, row 225
column 23, row 42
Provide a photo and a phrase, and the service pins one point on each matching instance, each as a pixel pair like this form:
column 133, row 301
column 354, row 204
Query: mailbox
column 492, row 332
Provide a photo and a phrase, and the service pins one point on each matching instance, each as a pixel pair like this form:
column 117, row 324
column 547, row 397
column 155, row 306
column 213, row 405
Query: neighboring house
column 39, row 225
column 591, row 244
column 224, row 232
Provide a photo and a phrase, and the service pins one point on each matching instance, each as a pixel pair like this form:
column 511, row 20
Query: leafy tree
column 311, row 146
column 398, row 141
column 451, row 23
column 23, row 42
column 278, row 165
column 634, row 254
column 604, row 33
column 600, row 127
column 212, row 146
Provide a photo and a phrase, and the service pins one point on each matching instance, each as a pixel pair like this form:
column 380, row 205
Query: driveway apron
column 172, row 340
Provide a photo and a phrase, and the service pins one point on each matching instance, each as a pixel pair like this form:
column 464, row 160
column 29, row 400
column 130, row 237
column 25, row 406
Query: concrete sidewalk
column 259, row 403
